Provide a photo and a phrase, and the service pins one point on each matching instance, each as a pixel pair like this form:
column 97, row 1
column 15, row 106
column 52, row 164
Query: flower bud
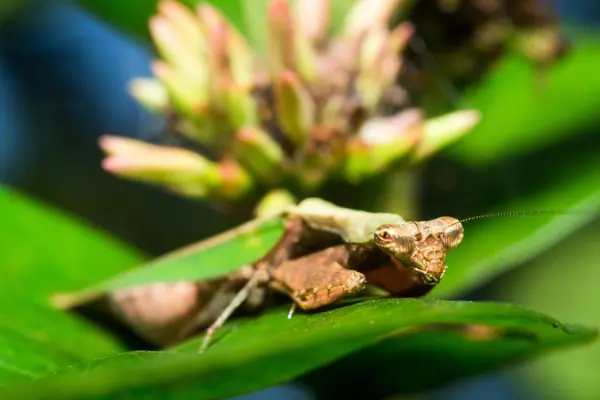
column 313, row 16
column 382, row 142
column 442, row 131
column 260, row 154
column 179, row 170
column 295, row 107
column 150, row 93
column 273, row 203
column 183, row 20
column 368, row 13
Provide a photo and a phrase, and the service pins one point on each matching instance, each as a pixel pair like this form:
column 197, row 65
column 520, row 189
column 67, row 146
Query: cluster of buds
column 314, row 108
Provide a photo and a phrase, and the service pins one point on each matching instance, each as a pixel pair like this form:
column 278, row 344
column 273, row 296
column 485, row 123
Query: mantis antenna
column 521, row 213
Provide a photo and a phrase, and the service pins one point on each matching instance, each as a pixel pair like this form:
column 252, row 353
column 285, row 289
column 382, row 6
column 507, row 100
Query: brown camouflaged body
column 314, row 268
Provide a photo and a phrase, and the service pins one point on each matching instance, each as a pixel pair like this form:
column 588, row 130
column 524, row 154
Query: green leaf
column 524, row 109
column 254, row 354
column 67, row 335
column 24, row 358
column 37, row 340
column 495, row 245
column 205, row 260
column 42, row 251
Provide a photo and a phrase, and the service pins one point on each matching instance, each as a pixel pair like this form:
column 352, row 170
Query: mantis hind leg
column 258, row 277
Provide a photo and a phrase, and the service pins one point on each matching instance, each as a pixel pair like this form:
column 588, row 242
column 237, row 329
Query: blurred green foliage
column 563, row 282
column 525, row 110
column 537, row 148
column 10, row 8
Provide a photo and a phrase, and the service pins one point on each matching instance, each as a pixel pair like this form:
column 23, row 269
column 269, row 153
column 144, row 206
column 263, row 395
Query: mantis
column 326, row 253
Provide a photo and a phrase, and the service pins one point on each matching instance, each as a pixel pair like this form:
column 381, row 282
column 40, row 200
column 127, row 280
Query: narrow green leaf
column 205, row 260
column 257, row 353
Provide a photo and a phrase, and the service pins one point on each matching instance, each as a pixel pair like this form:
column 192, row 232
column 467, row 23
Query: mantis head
column 421, row 246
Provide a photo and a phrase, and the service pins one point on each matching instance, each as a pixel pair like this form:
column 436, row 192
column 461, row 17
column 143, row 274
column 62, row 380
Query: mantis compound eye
column 453, row 235
column 393, row 240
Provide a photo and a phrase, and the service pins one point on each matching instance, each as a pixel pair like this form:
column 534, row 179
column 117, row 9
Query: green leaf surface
column 524, row 109
column 205, row 260
column 24, row 358
column 43, row 251
column 59, row 332
column 254, row 354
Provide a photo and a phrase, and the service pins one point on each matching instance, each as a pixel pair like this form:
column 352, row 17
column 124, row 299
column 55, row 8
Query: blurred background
column 63, row 77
